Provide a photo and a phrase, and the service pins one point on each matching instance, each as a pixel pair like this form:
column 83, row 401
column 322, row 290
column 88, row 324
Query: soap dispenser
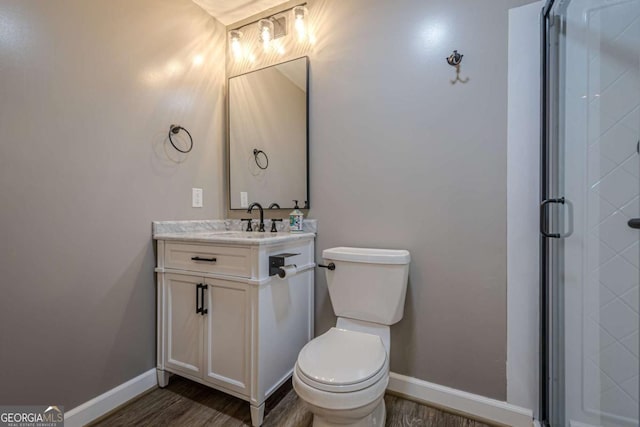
column 295, row 219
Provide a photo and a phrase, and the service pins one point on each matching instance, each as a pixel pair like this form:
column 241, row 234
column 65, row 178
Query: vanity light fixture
column 234, row 38
column 300, row 21
column 271, row 28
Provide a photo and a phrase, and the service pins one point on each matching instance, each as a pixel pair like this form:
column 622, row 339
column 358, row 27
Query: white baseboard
column 98, row 406
column 468, row 404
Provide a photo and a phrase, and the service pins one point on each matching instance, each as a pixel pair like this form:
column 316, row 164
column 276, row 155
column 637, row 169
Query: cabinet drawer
column 227, row 260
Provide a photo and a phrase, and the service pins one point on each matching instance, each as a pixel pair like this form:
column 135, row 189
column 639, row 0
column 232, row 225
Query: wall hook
column 455, row 59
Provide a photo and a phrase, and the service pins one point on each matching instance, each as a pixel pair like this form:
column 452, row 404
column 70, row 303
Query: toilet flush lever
column 331, row 266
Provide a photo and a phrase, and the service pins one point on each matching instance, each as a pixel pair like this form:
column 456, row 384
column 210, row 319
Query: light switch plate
column 244, row 199
column 196, row 197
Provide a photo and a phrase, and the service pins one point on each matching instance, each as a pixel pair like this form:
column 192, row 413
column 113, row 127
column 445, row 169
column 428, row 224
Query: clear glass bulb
column 266, row 35
column 266, row 32
column 236, row 46
column 300, row 27
column 300, row 16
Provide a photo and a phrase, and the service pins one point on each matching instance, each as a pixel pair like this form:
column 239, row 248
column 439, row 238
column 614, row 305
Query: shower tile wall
column 610, row 318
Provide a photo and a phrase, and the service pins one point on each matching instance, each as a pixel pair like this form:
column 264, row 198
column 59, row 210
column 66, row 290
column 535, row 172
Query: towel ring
column 256, row 153
column 174, row 129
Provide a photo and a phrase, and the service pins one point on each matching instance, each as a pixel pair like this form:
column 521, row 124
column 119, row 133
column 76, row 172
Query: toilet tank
column 368, row 284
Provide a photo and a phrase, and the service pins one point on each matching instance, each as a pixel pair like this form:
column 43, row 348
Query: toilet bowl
column 341, row 376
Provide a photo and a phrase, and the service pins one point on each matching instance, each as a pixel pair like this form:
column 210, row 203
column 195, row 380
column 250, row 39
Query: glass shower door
column 592, row 188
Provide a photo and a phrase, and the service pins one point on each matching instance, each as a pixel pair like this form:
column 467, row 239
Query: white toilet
column 342, row 375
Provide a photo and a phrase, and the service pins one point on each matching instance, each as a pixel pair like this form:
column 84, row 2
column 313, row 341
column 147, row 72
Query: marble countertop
column 235, row 237
column 227, row 232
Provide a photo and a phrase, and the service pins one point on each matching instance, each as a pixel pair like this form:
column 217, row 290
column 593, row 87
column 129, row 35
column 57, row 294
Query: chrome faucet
column 259, row 206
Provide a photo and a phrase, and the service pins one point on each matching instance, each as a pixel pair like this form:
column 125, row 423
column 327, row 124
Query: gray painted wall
column 88, row 90
column 402, row 158
column 399, row 158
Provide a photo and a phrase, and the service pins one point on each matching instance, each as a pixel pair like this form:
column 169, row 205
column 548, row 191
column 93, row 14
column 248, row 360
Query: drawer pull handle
column 197, row 258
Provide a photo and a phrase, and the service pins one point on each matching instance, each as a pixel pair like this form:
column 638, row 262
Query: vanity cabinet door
column 227, row 335
column 183, row 326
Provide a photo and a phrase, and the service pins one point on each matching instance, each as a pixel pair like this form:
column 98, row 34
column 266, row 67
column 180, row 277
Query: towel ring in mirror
column 256, row 154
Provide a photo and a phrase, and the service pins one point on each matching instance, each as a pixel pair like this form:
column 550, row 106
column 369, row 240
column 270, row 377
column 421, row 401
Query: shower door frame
column 551, row 339
column 551, row 380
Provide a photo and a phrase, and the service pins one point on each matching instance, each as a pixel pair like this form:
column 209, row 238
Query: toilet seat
column 342, row 361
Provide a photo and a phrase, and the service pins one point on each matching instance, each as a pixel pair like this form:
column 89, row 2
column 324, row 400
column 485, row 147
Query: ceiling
column 231, row 11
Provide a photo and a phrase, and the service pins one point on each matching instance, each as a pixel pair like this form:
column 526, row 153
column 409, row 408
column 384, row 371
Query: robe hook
column 455, row 59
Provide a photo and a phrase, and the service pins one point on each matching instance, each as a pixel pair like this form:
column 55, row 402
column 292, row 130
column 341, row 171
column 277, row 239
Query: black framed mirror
column 268, row 137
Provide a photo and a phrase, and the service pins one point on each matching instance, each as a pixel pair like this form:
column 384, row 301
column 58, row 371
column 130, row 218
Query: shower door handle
column 543, row 217
column 634, row 223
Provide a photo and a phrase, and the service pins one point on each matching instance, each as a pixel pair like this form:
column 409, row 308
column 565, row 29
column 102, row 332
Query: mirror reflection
column 268, row 137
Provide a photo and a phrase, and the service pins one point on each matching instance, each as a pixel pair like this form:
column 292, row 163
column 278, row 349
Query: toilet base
column 324, row 418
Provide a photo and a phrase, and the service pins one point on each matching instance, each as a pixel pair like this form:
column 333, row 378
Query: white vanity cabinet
column 223, row 320
column 212, row 344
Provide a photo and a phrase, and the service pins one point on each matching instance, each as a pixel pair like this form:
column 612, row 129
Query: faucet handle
column 249, row 228
column 273, row 225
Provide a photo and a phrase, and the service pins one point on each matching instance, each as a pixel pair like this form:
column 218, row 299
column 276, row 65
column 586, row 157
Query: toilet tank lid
column 368, row 255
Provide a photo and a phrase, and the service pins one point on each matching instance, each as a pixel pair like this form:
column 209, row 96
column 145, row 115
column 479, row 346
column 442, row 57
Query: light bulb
column 300, row 26
column 236, row 46
column 300, row 17
column 266, row 35
column 266, row 31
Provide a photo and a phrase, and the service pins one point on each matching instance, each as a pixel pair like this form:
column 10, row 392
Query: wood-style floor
column 186, row 403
